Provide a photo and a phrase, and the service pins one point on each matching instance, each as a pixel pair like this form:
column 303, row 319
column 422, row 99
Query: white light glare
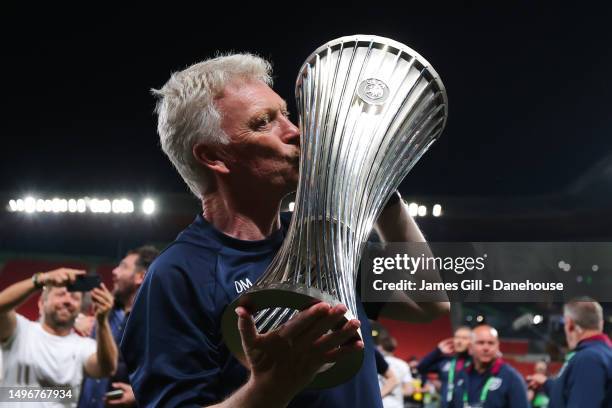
column 422, row 211
column 291, row 206
column 537, row 319
column 148, row 206
column 13, row 205
column 437, row 210
column 30, row 204
column 413, row 209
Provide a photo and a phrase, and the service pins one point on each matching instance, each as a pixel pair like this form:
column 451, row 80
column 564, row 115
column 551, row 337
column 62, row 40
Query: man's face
column 264, row 147
column 540, row 367
column 126, row 278
column 462, row 340
column 485, row 344
column 59, row 307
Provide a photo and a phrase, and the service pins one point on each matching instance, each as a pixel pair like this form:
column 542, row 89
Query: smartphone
column 114, row 394
column 85, row 283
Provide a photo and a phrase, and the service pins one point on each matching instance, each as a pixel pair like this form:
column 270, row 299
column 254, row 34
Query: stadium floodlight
column 537, row 319
column 30, row 204
column 437, row 210
column 413, row 209
column 13, row 205
column 422, row 211
column 148, row 206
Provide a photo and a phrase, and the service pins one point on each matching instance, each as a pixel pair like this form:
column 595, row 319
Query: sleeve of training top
column 586, row 382
column 381, row 364
column 517, row 396
column 171, row 344
column 429, row 363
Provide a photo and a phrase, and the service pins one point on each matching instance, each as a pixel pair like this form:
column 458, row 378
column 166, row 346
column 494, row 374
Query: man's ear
column 139, row 277
column 213, row 157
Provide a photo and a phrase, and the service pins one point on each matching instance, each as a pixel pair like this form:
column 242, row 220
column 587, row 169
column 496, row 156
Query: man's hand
column 59, row 277
column 535, row 381
column 103, row 302
column 126, row 400
column 447, row 346
column 285, row 360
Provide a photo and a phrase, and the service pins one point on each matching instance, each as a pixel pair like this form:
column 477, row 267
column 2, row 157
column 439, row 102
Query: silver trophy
column 369, row 108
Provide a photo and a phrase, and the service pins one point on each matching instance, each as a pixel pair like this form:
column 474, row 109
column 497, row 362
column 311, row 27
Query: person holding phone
column 128, row 275
column 49, row 353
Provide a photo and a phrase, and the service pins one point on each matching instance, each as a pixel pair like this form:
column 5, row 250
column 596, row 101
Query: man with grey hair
column 229, row 136
column 585, row 380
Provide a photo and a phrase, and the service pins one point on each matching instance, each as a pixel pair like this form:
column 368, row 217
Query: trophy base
column 296, row 297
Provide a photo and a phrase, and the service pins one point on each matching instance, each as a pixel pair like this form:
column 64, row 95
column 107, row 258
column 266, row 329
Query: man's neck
column 482, row 367
column 56, row 331
column 251, row 219
column 586, row 334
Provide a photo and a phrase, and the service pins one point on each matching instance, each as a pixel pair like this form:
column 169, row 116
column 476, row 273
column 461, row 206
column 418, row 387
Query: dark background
column 529, row 129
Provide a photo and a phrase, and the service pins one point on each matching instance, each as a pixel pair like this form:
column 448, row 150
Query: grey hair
column 187, row 114
column 585, row 312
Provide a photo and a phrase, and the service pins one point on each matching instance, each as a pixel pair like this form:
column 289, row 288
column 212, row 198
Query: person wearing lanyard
column 488, row 382
column 450, row 357
column 585, row 380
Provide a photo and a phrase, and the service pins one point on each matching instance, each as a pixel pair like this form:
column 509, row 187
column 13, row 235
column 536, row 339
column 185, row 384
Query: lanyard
column 451, row 380
column 450, row 386
column 483, row 393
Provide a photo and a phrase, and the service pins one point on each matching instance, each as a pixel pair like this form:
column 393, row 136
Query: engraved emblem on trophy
column 369, row 108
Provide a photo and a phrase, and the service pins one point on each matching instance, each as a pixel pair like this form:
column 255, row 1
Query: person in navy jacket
column 488, row 382
column 229, row 136
column 447, row 360
column 585, row 380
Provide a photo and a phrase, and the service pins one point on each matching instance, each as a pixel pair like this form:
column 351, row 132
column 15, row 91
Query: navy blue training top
column 437, row 362
column 585, row 381
column 173, row 345
column 506, row 390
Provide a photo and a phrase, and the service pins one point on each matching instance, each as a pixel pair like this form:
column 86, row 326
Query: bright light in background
column 30, row 204
column 480, row 319
column 148, row 206
column 62, row 205
column 291, row 206
column 422, row 211
column 413, row 209
column 437, row 210
column 537, row 319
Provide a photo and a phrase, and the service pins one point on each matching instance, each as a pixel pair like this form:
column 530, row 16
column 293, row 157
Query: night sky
column 529, row 89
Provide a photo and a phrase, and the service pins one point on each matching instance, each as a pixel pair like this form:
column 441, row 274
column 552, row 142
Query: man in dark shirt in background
column 447, row 360
column 585, row 380
column 127, row 278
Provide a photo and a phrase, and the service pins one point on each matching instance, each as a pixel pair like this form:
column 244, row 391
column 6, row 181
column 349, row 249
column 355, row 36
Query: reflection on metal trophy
column 369, row 108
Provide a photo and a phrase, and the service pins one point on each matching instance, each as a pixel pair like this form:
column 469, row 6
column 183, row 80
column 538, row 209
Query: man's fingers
column 339, row 337
column 304, row 320
column 322, row 326
column 338, row 353
column 246, row 326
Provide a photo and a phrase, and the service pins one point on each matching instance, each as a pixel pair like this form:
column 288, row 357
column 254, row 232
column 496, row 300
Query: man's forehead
column 251, row 94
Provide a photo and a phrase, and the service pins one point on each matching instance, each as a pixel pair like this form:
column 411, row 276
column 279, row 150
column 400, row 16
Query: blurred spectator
column 401, row 370
column 538, row 398
column 127, row 278
column 585, row 380
column 386, row 378
column 488, row 381
column 447, row 360
column 48, row 353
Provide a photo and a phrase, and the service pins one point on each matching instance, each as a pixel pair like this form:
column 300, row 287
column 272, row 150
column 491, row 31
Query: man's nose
column 291, row 133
